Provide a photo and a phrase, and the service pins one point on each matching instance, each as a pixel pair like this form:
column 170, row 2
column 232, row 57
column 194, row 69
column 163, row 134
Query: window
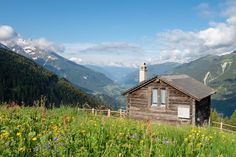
column 163, row 96
column 154, row 97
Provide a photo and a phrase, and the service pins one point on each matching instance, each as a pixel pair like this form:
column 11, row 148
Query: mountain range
column 87, row 79
column 77, row 74
column 108, row 82
column 218, row 72
column 24, row 81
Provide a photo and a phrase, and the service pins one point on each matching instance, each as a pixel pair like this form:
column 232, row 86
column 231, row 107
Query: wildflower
column 34, row 138
column 55, row 139
column 5, row 133
column 167, row 142
column 134, row 135
column 18, row 134
column 22, row 149
column 36, row 149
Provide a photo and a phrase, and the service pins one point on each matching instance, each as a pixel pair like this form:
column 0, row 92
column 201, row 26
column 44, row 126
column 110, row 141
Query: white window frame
column 154, row 104
column 163, row 97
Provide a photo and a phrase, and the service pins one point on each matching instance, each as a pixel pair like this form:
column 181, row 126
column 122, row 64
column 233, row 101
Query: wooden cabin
column 177, row 99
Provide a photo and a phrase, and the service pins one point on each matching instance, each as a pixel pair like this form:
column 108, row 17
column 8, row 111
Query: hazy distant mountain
column 155, row 69
column 23, row 81
column 117, row 74
column 219, row 72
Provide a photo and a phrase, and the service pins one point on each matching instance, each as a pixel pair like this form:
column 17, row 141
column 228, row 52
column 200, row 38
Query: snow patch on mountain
column 207, row 75
column 225, row 65
column 29, row 49
column 52, row 58
column 3, row 46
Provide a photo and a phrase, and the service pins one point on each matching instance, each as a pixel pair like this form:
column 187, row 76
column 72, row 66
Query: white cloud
column 205, row 10
column 105, row 53
column 7, row 32
column 171, row 46
column 76, row 59
column 103, row 48
column 41, row 43
column 183, row 46
column 9, row 37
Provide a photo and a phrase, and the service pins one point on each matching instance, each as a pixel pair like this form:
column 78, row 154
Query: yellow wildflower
column 5, row 133
column 22, row 149
column 34, row 138
column 18, row 134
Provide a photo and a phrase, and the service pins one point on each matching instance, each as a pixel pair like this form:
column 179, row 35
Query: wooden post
column 108, row 113
column 96, row 112
column 120, row 112
column 78, row 108
column 209, row 122
column 193, row 112
column 221, row 126
column 92, row 110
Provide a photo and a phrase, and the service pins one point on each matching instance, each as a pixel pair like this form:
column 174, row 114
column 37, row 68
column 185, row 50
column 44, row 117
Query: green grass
column 67, row 132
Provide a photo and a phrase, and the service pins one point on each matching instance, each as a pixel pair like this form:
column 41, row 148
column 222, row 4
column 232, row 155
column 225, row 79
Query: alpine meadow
column 118, row 78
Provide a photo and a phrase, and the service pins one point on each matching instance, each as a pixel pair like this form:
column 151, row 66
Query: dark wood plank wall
column 139, row 104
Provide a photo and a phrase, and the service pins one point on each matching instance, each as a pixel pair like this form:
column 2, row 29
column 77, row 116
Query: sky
column 122, row 32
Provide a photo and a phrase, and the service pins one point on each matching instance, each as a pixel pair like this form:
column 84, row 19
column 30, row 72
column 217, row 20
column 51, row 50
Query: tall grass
column 67, row 132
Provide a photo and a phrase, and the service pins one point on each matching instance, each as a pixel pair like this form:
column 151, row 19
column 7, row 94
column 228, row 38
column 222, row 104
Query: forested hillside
column 24, row 81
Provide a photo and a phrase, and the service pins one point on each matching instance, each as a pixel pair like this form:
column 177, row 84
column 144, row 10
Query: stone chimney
column 143, row 72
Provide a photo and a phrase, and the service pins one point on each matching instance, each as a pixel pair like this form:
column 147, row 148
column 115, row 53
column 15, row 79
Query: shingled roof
column 183, row 83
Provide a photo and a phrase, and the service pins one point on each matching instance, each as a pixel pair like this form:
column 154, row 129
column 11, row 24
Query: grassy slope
column 67, row 132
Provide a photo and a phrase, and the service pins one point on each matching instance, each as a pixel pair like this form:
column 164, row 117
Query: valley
column 107, row 82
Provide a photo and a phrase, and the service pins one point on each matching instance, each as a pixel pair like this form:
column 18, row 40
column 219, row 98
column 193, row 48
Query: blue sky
column 98, row 31
column 100, row 20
